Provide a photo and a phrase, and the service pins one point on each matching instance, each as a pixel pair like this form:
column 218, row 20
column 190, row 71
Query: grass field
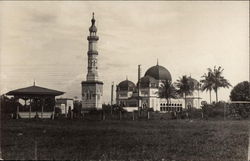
column 125, row 140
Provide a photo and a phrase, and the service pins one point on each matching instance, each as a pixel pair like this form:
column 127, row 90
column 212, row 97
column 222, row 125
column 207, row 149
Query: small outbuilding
column 65, row 105
column 38, row 101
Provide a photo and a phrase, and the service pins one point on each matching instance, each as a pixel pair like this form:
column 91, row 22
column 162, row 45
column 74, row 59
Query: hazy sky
column 47, row 41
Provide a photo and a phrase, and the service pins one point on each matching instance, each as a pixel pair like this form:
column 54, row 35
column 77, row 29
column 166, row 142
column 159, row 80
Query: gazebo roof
column 35, row 91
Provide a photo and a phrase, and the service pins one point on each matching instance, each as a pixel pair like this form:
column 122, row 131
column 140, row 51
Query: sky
column 47, row 42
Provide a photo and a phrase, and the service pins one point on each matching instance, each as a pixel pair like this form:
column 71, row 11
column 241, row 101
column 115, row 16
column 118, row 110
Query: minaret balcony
column 93, row 38
column 93, row 52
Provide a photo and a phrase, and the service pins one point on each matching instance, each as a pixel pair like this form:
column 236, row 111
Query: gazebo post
column 17, row 108
column 25, row 103
column 66, row 111
column 53, row 114
column 42, row 107
column 30, row 110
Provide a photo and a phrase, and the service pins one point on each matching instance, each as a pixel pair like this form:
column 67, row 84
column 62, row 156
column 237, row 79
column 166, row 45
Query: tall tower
column 92, row 88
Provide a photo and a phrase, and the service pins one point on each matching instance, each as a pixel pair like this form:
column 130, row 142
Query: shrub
column 215, row 110
column 239, row 110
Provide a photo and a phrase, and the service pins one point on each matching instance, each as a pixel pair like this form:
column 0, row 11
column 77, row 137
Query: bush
column 214, row 110
column 239, row 110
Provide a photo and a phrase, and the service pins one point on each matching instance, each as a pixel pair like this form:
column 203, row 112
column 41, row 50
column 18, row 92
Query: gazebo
column 41, row 101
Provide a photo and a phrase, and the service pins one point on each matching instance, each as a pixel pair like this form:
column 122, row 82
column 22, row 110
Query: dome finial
column 34, row 83
column 157, row 62
column 126, row 77
column 93, row 19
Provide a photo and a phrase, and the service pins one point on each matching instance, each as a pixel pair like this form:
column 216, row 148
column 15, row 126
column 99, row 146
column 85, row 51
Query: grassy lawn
column 125, row 140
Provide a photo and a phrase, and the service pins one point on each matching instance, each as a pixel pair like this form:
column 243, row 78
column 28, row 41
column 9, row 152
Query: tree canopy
column 241, row 92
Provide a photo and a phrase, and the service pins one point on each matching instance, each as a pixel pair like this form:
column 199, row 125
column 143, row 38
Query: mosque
column 145, row 93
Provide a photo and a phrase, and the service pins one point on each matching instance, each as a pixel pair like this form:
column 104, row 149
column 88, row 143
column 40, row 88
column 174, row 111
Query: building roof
column 35, row 91
column 64, row 99
column 159, row 73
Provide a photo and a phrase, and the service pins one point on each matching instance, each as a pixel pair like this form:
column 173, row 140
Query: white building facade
column 65, row 104
column 149, row 88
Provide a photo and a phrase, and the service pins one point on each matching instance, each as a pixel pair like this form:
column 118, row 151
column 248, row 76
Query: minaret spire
column 93, row 28
column 92, row 52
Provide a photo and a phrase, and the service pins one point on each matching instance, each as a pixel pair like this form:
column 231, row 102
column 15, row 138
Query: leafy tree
column 184, row 87
column 241, row 92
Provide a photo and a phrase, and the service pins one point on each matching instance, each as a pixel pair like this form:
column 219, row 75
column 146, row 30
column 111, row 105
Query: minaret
column 92, row 52
column 92, row 88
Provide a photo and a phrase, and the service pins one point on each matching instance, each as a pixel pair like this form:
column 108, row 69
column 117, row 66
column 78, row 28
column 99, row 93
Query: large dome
column 126, row 85
column 159, row 73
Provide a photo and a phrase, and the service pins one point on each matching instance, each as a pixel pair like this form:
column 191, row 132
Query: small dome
column 159, row 73
column 194, row 82
column 148, row 81
column 126, row 85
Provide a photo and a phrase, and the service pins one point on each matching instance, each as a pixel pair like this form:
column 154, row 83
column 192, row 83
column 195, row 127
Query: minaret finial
column 157, row 62
column 93, row 19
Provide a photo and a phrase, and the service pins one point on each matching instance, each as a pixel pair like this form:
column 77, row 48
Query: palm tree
column 167, row 90
column 214, row 80
column 219, row 81
column 207, row 82
column 185, row 87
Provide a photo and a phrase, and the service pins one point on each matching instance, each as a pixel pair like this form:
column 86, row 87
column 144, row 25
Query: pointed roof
column 35, row 91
